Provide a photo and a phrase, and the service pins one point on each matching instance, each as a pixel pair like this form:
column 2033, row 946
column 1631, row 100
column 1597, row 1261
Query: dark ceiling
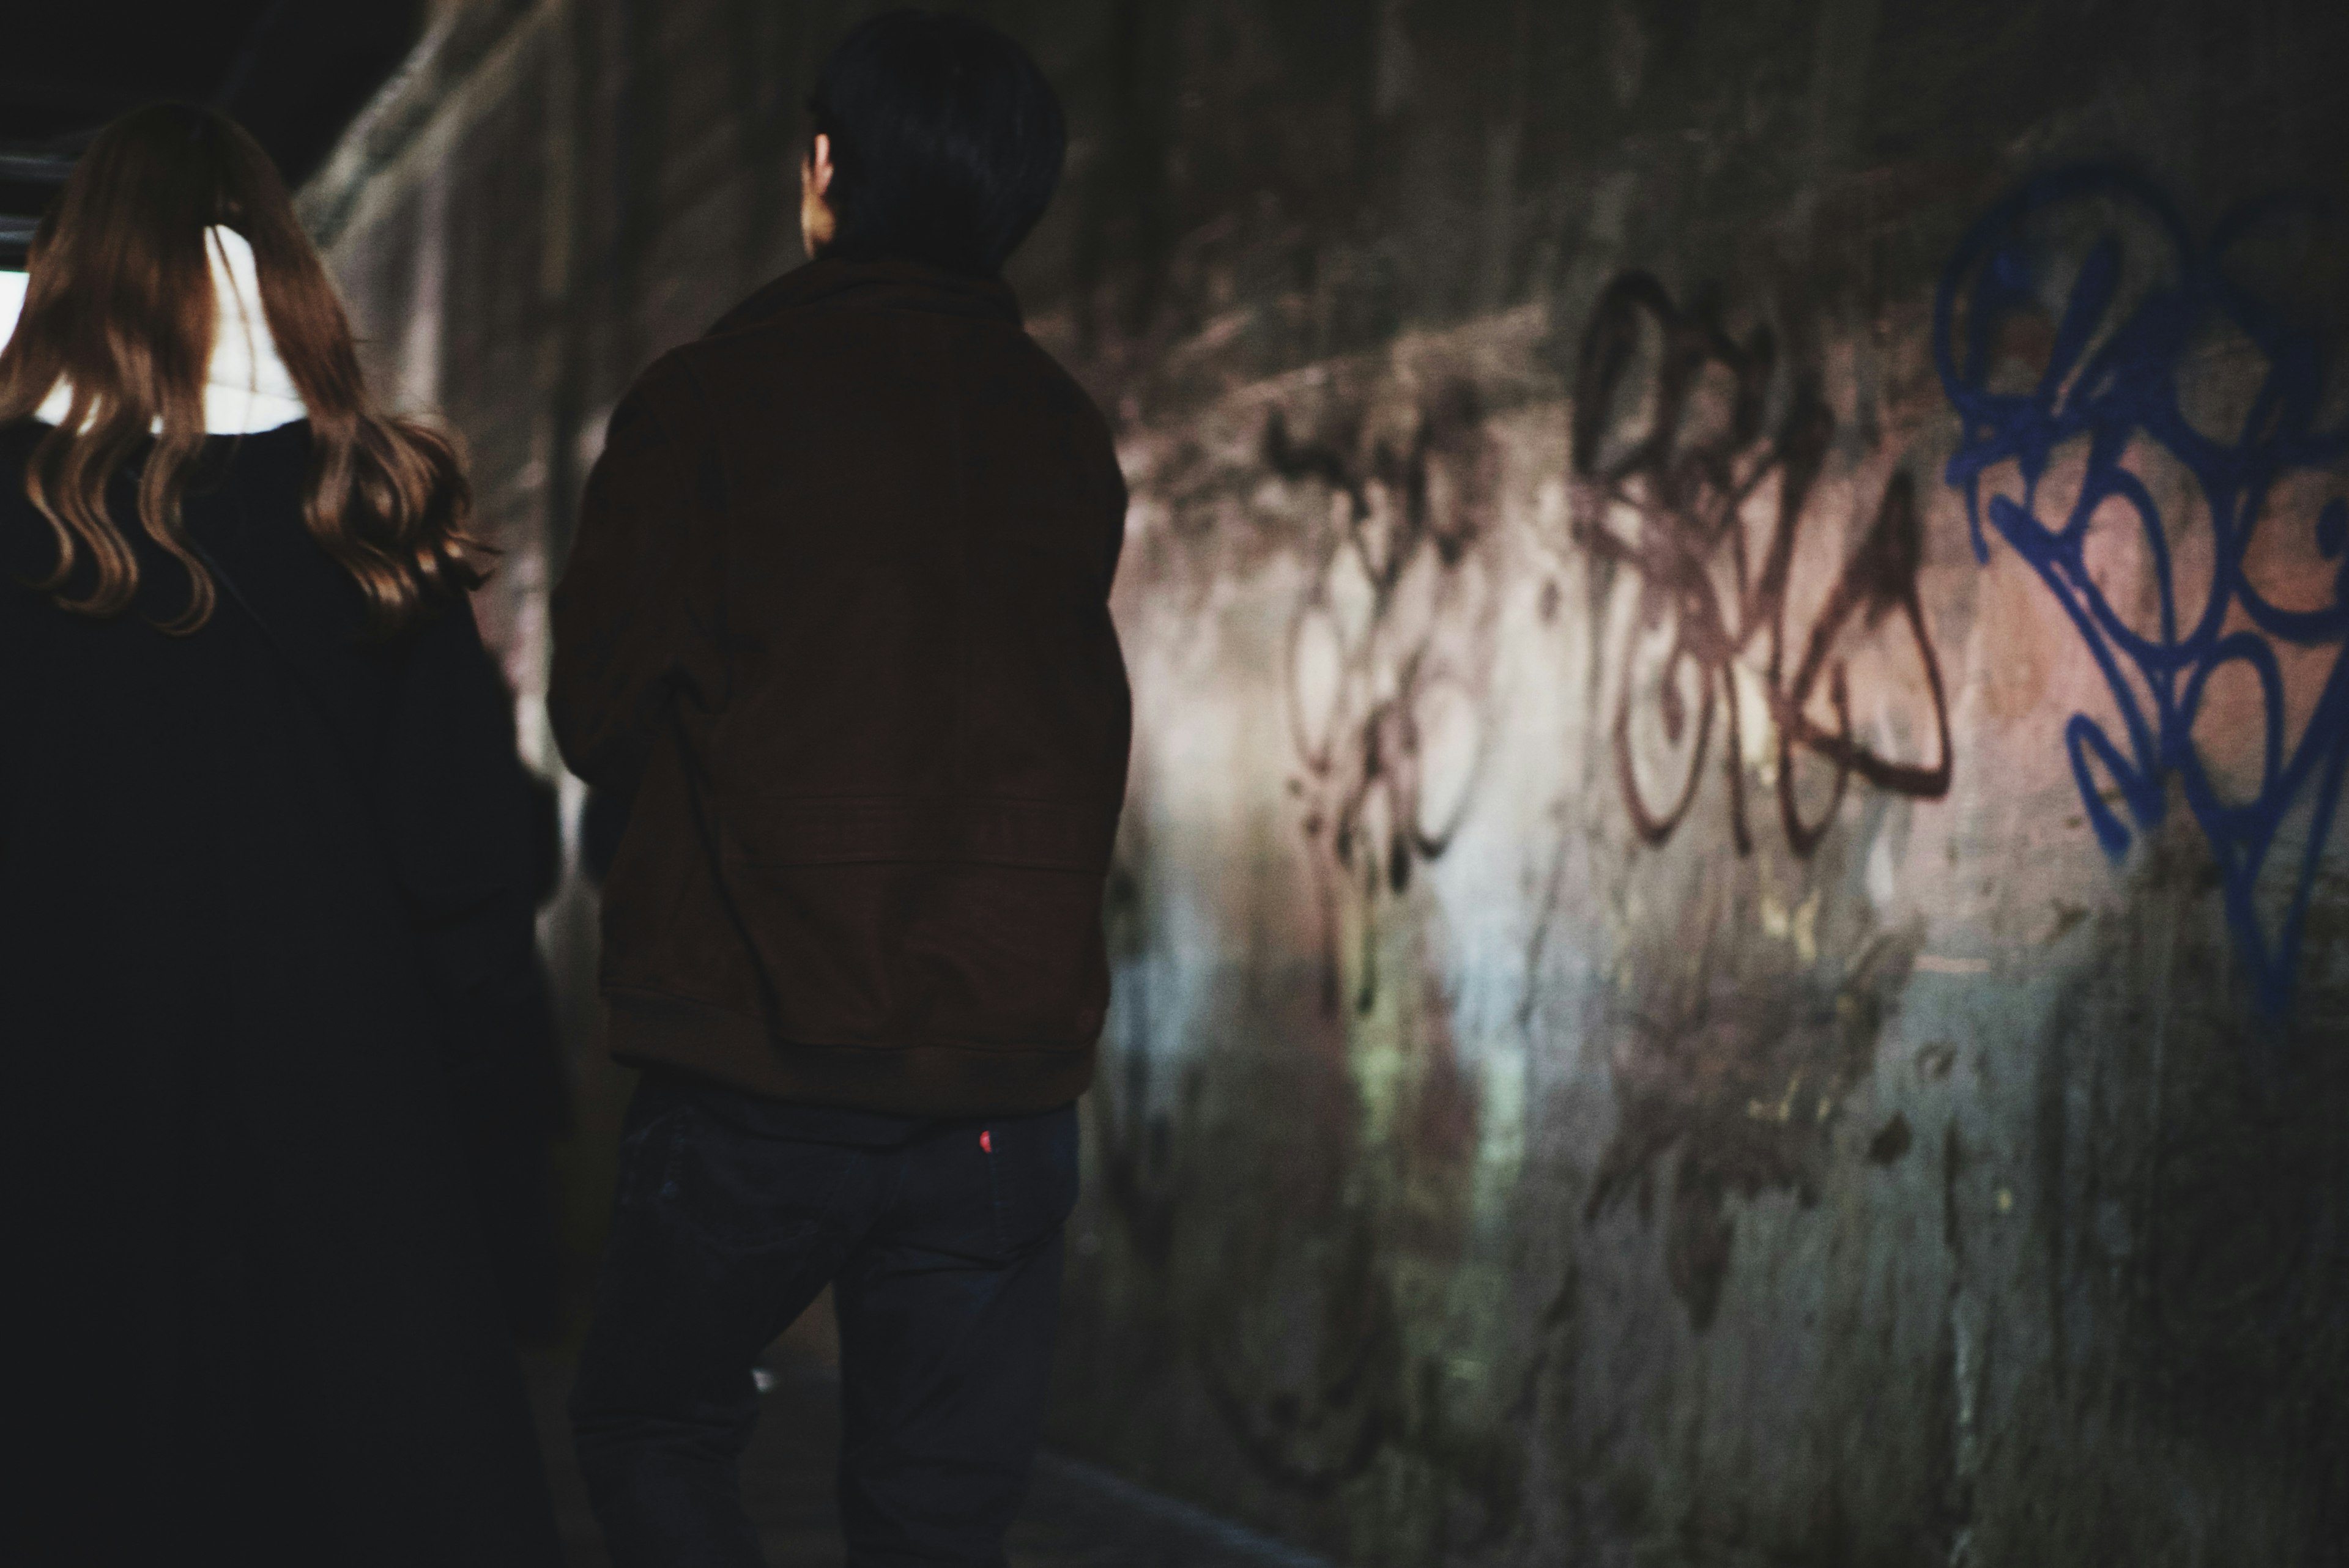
column 293, row 72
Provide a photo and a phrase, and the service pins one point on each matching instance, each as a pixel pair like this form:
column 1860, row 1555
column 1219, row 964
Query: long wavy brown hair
column 120, row 303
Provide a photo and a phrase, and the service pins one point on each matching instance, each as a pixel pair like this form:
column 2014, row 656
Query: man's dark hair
column 947, row 141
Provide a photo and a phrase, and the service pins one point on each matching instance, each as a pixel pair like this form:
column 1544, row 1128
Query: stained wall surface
column 1729, row 935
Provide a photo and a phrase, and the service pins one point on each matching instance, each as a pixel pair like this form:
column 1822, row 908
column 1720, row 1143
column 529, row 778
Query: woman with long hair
column 264, row 872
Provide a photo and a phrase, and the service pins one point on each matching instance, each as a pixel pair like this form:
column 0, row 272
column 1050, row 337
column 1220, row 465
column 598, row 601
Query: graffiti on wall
column 1700, row 469
column 1673, row 471
column 1385, row 681
column 2132, row 306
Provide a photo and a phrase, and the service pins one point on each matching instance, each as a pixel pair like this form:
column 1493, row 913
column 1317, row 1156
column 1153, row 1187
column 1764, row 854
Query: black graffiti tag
column 1406, row 517
column 1686, row 484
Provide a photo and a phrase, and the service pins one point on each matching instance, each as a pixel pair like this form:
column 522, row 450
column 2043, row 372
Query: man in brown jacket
column 837, row 623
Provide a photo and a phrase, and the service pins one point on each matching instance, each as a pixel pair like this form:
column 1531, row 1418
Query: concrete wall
column 1729, row 936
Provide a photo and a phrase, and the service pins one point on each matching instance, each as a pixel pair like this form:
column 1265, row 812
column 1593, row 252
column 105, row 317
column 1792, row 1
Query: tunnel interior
column 1728, row 935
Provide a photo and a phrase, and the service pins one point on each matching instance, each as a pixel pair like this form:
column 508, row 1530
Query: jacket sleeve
column 636, row 615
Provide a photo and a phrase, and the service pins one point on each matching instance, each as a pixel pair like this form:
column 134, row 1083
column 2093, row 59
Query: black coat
column 262, row 895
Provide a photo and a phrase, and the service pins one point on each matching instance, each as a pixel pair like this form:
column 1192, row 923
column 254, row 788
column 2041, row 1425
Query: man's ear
column 818, row 224
column 820, row 163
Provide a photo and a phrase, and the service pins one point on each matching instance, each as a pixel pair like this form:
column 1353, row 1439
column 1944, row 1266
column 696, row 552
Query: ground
column 1077, row 1517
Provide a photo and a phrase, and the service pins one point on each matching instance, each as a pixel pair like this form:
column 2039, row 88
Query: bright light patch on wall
column 12, row 300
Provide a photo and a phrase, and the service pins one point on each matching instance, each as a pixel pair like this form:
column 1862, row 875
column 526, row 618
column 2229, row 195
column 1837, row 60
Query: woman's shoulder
column 246, row 508
column 243, row 502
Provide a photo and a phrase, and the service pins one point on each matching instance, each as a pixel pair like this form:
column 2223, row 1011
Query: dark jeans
column 941, row 1241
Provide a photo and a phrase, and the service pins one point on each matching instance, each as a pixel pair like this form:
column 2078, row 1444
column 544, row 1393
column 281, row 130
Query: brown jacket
column 837, row 617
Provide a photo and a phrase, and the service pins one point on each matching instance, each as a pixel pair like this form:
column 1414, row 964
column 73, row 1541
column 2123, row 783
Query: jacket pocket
column 742, row 1194
column 908, row 920
column 1031, row 1172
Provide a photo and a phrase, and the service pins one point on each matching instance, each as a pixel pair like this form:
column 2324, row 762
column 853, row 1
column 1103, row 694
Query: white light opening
column 12, row 300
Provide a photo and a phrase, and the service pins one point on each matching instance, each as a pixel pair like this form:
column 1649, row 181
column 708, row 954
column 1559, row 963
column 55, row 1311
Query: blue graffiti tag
column 2112, row 378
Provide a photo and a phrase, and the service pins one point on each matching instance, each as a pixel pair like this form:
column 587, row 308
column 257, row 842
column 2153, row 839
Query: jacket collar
column 833, row 283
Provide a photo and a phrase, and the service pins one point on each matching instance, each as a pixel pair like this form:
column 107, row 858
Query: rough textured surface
column 1730, row 927
column 1076, row 1516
